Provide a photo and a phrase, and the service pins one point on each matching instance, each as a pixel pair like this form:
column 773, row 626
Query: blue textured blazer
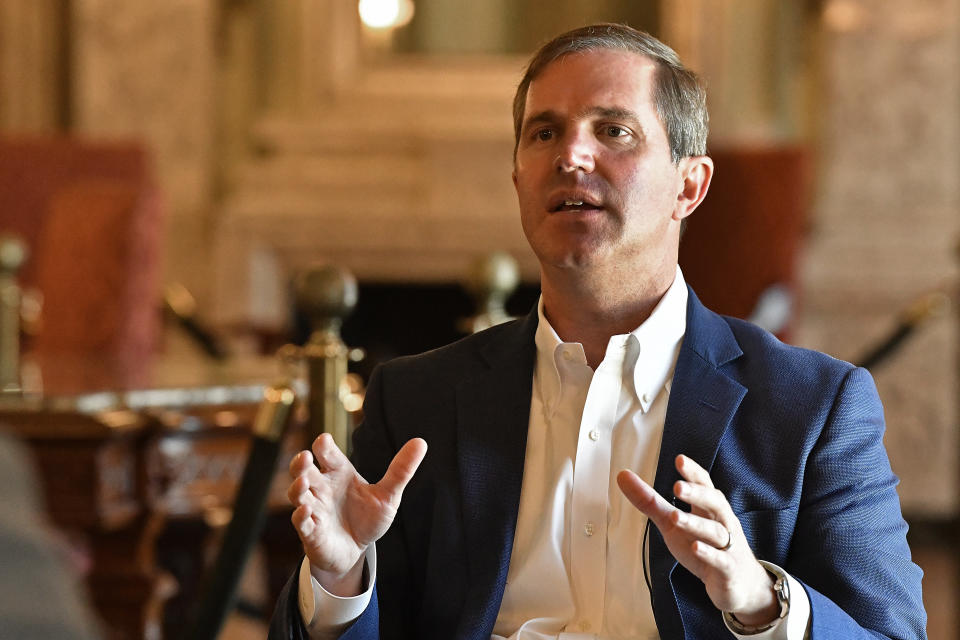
column 792, row 437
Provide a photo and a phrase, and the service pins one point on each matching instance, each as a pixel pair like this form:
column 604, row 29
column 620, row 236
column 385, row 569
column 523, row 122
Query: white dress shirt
column 576, row 570
column 585, row 426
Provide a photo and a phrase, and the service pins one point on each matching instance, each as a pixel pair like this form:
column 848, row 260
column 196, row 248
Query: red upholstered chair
column 747, row 234
column 90, row 215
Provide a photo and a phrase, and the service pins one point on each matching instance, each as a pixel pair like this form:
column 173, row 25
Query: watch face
column 782, row 588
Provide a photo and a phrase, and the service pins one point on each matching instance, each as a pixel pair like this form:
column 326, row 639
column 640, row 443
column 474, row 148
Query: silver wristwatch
column 781, row 588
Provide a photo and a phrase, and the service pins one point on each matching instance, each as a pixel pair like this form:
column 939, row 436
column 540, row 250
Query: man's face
column 593, row 172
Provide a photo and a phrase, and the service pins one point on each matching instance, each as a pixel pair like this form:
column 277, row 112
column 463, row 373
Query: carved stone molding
column 405, row 177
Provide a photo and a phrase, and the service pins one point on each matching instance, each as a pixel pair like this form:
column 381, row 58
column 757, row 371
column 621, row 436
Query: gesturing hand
column 708, row 541
column 339, row 514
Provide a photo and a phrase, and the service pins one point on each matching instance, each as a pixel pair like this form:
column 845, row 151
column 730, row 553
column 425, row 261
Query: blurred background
column 171, row 167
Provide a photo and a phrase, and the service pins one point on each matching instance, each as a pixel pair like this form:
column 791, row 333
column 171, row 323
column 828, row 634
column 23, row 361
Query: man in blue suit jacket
column 768, row 451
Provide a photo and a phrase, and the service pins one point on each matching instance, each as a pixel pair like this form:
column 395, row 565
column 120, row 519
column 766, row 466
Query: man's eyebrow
column 614, row 113
column 542, row 117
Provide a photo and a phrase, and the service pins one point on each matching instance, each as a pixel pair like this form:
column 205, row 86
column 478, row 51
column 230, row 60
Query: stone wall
column 886, row 222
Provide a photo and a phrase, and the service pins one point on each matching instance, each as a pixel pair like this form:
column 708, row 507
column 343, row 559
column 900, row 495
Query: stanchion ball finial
column 326, row 293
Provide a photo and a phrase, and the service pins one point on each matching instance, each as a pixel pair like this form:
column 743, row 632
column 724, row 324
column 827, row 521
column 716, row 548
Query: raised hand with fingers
column 338, row 514
column 708, row 541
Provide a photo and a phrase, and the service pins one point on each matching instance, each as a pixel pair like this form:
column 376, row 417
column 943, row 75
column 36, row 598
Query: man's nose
column 576, row 154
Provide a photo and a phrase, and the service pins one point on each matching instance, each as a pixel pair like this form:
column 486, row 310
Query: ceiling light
column 385, row 14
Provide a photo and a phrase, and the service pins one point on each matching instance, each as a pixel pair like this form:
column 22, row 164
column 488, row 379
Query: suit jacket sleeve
column 287, row 624
column 850, row 538
column 373, row 453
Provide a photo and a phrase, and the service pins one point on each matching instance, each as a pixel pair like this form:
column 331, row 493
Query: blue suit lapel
column 703, row 401
column 493, row 410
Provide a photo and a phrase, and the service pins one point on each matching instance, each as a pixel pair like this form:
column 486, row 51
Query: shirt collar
column 658, row 339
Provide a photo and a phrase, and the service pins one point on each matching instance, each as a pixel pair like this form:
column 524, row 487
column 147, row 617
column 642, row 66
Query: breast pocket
column 769, row 532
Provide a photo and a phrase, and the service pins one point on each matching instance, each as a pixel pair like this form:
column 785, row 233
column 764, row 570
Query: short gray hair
column 678, row 93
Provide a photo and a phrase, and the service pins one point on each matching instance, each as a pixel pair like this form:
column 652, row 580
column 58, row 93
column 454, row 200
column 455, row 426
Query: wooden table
column 141, row 473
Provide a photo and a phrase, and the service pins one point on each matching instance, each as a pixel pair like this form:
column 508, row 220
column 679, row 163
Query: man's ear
column 696, row 173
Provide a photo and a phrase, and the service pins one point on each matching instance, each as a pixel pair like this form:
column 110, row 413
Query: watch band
column 781, row 588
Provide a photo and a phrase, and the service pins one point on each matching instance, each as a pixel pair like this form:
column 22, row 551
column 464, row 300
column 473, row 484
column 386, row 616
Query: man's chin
column 565, row 248
column 573, row 259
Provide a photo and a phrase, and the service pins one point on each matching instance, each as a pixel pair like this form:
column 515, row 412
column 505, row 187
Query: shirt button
column 588, row 529
column 645, row 397
column 594, row 435
column 584, row 626
column 567, row 355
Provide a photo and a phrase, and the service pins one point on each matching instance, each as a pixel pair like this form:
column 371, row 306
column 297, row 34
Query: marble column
column 146, row 71
column 328, row 51
column 30, row 72
column 886, row 225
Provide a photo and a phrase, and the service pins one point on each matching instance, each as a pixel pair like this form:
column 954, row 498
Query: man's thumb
column 402, row 468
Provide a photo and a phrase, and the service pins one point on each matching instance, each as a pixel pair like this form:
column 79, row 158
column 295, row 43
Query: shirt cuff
column 792, row 626
column 326, row 615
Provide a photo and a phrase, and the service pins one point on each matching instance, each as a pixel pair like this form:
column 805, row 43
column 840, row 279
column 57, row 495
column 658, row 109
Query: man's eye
column 544, row 134
column 616, row 132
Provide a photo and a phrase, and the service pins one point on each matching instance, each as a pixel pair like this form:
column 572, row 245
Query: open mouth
column 574, row 204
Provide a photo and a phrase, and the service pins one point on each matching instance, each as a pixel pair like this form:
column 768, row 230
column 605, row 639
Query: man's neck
column 590, row 312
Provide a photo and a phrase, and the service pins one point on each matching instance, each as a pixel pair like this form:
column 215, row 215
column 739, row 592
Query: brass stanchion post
column 13, row 253
column 327, row 295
